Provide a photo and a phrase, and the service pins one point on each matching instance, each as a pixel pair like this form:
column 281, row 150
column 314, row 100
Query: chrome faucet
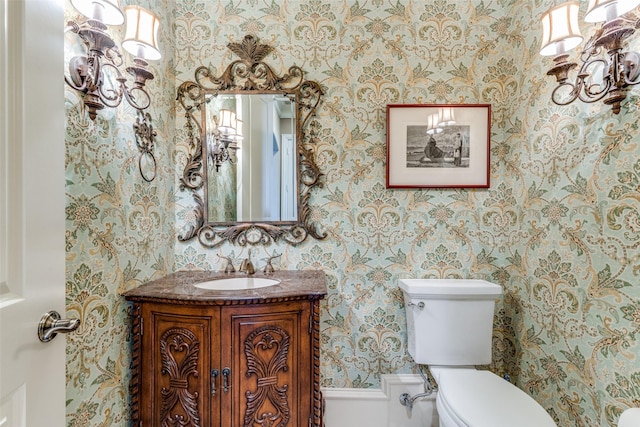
column 247, row 265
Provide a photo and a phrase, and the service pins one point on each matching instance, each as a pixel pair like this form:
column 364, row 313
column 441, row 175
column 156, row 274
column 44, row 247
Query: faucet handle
column 229, row 268
column 269, row 267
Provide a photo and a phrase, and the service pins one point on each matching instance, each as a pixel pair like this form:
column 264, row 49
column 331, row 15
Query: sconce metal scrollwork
column 249, row 75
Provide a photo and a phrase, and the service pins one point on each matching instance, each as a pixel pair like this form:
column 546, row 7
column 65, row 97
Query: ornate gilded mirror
column 251, row 165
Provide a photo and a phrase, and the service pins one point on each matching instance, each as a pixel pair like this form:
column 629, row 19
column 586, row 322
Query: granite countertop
column 179, row 287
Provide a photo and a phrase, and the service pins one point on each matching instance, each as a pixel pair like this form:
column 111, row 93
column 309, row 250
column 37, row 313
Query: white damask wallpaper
column 559, row 228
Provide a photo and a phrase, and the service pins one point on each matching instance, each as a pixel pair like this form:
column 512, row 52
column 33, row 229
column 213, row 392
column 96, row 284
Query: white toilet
column 450, row 324
column 630, row 418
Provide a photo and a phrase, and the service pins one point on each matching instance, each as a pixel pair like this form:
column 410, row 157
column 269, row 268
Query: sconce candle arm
column 110, row 96
column 132, row 99
column 81, row 85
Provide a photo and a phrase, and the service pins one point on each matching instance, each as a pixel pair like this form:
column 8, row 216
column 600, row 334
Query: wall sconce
column 224, row 138
column 97, row 75
column 599, row 77
column 94, row 74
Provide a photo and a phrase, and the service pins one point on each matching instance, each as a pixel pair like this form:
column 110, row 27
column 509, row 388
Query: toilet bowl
column 449, row 328
column 470, row 397
column 630, row 418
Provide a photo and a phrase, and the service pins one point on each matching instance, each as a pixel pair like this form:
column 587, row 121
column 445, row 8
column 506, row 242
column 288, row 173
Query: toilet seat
column 630, row 418
column 472, row 398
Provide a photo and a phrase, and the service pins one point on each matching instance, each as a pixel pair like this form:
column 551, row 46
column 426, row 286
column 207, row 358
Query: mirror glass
column 249, row 144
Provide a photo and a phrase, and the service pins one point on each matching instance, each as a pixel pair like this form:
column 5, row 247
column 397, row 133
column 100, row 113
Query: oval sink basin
column 237, row 284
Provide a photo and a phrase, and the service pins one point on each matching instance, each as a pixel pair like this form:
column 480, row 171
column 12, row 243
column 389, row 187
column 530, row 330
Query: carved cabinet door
column 267, row 348
column 180, row 347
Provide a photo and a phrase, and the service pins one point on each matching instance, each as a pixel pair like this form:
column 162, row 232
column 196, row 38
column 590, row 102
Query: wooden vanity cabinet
column 225, row 362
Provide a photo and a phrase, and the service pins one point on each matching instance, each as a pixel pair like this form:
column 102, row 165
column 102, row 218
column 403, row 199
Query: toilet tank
column 449, row 321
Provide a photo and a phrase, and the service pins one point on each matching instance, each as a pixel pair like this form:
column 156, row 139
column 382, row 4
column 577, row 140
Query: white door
column 32, row 373
column 289, row 186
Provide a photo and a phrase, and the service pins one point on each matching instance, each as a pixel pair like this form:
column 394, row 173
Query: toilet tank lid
column 449, row 287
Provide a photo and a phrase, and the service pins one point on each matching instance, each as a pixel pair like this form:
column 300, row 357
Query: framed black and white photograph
column 438, row 146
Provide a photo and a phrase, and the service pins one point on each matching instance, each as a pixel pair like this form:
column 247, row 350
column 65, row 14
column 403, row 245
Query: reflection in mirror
column 251, row 136
column 250, row 158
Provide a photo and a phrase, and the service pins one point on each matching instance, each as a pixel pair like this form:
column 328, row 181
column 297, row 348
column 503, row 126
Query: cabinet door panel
column 268, row 352
column 178, row 355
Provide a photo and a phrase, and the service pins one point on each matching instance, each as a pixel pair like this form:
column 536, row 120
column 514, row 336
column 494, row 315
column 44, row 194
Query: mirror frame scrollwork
column 250, row 75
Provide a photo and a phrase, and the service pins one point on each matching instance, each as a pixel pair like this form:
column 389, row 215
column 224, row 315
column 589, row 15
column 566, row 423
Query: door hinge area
column 310, row 323
column 141, row 326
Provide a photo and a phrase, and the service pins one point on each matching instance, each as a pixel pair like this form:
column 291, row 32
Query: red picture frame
column 438, row 145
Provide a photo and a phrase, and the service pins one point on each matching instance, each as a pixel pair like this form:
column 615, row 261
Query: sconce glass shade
column 560, row 30
column 446, row 117
column 607, row 10
column 432, row 124
column 141, row 35
column 106, row 11
column 227, row 123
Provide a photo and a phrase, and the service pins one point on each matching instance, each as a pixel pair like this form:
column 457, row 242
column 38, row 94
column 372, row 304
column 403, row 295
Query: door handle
column 51, row 325
column 225, row 380
column 214, row 375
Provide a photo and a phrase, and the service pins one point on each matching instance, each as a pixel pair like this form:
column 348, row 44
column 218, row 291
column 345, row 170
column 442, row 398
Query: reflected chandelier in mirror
column 241, row 127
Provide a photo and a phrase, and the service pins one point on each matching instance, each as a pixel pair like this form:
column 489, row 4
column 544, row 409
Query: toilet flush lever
column 420, row 305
